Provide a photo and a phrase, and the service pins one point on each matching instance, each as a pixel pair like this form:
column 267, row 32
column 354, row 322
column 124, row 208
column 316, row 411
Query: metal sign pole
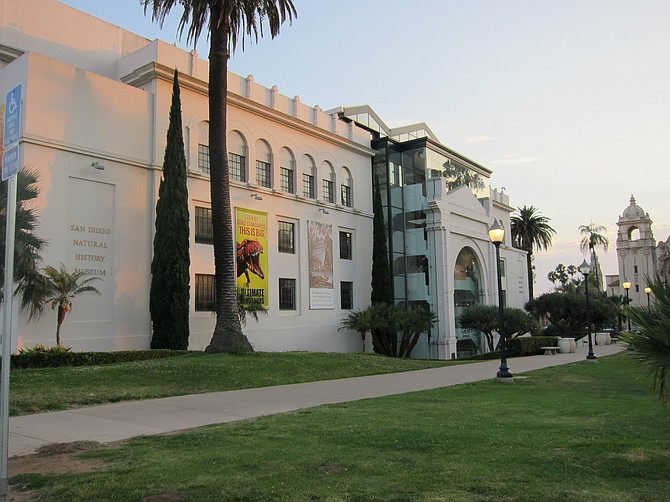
column 7, row 336
column 10, row 164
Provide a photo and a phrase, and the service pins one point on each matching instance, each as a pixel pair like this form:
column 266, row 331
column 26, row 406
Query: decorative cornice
column 153, row 70
column 501, row 205
column 33, row 139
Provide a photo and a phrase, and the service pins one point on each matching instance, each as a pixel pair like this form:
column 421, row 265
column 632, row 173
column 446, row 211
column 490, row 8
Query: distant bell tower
column 636, row 252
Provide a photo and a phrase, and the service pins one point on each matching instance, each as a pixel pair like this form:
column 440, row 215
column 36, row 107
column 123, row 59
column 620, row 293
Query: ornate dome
column 633, row 212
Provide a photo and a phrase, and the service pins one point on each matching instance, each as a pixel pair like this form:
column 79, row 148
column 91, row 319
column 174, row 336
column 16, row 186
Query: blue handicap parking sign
column 12, row 117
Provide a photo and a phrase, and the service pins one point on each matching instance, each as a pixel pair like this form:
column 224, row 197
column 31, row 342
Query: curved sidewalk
column 115, row 422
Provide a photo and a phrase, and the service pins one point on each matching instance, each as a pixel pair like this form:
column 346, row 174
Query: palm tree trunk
column 529, row 264
column 61, row 317
column 228, row 336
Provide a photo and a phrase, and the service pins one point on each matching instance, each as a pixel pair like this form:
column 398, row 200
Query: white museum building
column 94, row 111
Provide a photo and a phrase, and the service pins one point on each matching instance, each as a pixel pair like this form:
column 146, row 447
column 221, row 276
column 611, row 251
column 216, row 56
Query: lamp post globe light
column 648, row 291
column 585, row 269
column 496, row 235
column 626, row 286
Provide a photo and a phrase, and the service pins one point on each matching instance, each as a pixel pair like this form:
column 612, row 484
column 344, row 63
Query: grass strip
column 577, row 432
column 54, row 389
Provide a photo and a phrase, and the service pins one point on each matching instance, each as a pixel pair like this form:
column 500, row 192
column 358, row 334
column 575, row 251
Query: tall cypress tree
column 382, row 291
column 169, row 297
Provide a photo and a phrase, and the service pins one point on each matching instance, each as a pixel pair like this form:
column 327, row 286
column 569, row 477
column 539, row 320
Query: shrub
column 41, row 357
column 519, row 347
column 485, row 318
column 567, row 312
column 529, row 346
column 395, row 331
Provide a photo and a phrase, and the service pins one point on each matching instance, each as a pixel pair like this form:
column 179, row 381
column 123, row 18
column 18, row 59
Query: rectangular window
column 346, row 295
column 346, row 195
column 346, row 251
column 203, row 225
column 328, row 195
column 236, row 167
column 203, row 158
column 263, row 173
column 308, row 185
column 205, row 293
column 286, row 180
column 286, row 237
column 635, row 268
column 287, row 294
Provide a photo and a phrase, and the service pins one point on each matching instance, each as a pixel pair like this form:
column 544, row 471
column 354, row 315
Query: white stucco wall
column 96, row 93
column 102, row 221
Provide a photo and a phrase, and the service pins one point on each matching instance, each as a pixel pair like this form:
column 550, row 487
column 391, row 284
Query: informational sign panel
column 251, row 235
column 320, row 249
column 10, row 162
column 12, row 117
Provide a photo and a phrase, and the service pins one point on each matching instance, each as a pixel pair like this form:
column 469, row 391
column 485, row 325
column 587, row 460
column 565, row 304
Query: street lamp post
column 626, row 286
column 496, row 235
column 648, row 291
column 585, row 269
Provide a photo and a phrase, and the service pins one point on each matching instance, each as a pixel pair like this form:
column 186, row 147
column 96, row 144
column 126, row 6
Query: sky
column 566, row 101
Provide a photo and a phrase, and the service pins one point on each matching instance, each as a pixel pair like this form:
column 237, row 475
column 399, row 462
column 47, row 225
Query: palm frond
column 531, row 230
column 240, row 18
column 652, row 345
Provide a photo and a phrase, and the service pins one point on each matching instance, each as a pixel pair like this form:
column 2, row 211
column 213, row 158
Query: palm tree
column 225, row 20
column 652, row 345
column 358, row 320
column 27, row 246
column 61, row 288
column 530, row 231
column 594, row 238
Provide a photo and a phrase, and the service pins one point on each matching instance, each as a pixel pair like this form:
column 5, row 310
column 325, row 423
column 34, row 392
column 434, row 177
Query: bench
column 549, row 351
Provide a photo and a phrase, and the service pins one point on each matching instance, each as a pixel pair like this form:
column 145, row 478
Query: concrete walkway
column 115, row 422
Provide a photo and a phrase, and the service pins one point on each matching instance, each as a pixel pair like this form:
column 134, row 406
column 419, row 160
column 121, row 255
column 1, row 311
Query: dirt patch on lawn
column 61, row 458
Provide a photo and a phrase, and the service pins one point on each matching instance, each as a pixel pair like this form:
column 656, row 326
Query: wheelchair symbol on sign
column 12, row 104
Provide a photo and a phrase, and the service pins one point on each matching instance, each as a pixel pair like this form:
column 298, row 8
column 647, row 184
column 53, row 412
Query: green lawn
column 578, row 432
column 52, row 389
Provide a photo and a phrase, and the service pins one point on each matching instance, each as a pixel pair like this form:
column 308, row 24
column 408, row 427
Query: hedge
column 521, row 346
column 54, row 358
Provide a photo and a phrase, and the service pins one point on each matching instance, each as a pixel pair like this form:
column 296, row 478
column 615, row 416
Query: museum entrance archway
column 467, row 292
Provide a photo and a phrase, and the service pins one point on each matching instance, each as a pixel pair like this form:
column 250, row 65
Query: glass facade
column 402, row 170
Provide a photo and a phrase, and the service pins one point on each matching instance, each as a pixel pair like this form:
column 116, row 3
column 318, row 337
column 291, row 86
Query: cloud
column 508, row 159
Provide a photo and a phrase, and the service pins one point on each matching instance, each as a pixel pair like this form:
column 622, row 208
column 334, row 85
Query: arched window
column 328, row 183
column 263, row 164
column 308, row 168
column 634, row 234
column 467, row 292
column 286, row 171
column 237, row 156
column 346, row 192
column 203, row 147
